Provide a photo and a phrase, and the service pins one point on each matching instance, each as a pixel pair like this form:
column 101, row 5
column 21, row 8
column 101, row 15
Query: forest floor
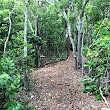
column 57, row 87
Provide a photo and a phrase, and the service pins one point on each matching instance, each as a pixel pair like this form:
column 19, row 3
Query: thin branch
column 33, row 14
column 83, row 7
column 30, row 26
column 35, row 21
column 5, row 46
column 103, row 97
column 10, row 26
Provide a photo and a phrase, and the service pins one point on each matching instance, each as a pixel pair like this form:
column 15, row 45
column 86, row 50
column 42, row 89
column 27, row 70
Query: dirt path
column 57, row 87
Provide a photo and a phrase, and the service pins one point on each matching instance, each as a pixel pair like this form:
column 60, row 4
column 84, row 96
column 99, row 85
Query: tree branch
column 30, row 26
column 5, row 45
column 10, row 26
column 83, row 7
column 103, row 97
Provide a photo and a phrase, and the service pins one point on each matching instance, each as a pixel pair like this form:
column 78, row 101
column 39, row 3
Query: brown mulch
column 57, row 87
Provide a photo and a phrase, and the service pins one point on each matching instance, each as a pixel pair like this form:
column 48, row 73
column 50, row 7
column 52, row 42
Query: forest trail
column 57, row 87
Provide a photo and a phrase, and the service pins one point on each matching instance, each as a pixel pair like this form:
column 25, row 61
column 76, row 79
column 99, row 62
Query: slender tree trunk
column 5, row 45
column 9, row 32
column 67, row 42
column 58, row 52
column 75, row 39
column 82, row 56
column 26, row 75
column 31, row 26
column 87, row 29
column 75, row 45
column 37, row 48
column 37, row 56
column 69, row 29
column 80, row 34
column 35, row 23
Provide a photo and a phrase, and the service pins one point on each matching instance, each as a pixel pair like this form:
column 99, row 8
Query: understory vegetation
column 98, row 62
column 34, row 33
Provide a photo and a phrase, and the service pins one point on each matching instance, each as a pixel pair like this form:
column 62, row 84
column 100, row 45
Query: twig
column 103, row 97
column 30, row 26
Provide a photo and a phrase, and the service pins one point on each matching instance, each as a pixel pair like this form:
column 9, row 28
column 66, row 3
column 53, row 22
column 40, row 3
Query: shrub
column 9, row 79
column 98, row 62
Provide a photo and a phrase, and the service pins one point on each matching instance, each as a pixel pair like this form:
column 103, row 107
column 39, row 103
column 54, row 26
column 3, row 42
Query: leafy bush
column 63, row 56
column 13, row 105
column 9, row 79
column 98, row 62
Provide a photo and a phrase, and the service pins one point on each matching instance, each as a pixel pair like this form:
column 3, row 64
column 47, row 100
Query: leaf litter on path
column 57, row 87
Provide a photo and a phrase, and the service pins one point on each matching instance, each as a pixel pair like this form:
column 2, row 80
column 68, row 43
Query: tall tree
column 80, row 34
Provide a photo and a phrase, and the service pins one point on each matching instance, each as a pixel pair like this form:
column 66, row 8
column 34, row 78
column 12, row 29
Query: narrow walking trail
column 57, row 87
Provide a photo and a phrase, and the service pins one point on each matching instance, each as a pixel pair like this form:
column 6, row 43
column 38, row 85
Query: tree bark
column 26, row 75
column 75, row 38
column 5, row 45
column 67, row 44
column 80, row 34
column 37, row 48
column 35, row 23
column 31, row 26
column 69, row 29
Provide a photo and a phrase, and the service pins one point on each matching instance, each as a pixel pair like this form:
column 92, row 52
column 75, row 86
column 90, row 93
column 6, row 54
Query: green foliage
column 93, row 13
column 64, row 4
column 63, row 56
column 9, row 79
column 98, row 59
column 90, row 85
column 13, row 105
column 52, row 29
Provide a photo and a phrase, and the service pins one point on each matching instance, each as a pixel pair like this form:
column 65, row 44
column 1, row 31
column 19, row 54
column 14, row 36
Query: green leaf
column 98, row 97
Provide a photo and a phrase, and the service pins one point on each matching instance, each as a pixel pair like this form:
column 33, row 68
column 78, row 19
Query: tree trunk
column 80, row 34
column 37, row 57
column 26, row 75
column 67, row 42
column 37, row 48
column 38, row 63
column 69, row 29
column 35, row 23
column 5, row 45
column 82, row 56
column 75, row 46
column 87, row 31
column 75, row 39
